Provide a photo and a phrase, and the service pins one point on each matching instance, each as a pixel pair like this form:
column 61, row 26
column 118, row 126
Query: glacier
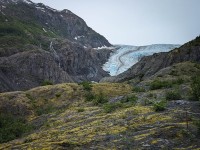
column 125, row 56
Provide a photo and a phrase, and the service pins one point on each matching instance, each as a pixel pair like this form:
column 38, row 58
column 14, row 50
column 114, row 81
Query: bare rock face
column 38, row 43
column 149, row 65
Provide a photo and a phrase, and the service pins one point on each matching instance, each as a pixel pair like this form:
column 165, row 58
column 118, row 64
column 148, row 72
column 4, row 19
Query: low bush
column 178, row 81
column 138, row 89
column 46, row 82
column 40, row 110
column 195, row 94
column 81, row 110
column 86, row 85
column 173, row 95
column 12, row 127
column 157, row 84
column 58, row 95
column 197, row 123
column 100, row 99
column 159, row 106
column 89, row 96
column 132, row 99
column 110, row 107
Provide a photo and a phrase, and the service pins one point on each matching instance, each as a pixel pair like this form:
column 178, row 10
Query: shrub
column 47, row 82
column 159, row 106
column 138, row 89
column 12, row 127
column 40, row 110
column 89, row 96
column 151, row 95
column 178, row 81
column 108, row 108
column 133, row 99
column 86, row 85
column 197, row 123
column 173, row 95
column 157, row 84
column 81, row 110
column 58, row 95
column 100, row 99
column 195, row 88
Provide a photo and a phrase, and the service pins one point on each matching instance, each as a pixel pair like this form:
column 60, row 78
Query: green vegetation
column 58, row 95
column 81, row 110
column 173, row 95
column 89, row 96
column 159, row 106
column 17, row 33
column 131, row 98
column 110, row 107
column 40, row 110
column 138, row 89
column 195, row 88
column 86, row 85
column 197, row 123
column 157, row 84
column 100, row 99
column 12, row 127
column 46, row 82
column 80, row 122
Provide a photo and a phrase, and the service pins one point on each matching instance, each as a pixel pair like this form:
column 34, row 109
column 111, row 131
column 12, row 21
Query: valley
column 63, row 86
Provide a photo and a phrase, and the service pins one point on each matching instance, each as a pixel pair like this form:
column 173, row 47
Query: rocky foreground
column 154, row 114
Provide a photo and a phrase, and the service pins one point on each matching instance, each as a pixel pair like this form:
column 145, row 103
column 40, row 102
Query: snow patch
column 126, row 56
column 104, row 47
column 78, row 37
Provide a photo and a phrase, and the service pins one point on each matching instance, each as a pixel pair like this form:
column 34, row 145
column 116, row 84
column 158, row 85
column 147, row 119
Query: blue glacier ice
column 125, row 56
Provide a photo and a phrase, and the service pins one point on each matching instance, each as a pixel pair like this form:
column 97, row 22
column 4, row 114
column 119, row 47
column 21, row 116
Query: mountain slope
column 38, row 43
column 149, row 65
column 104, row 116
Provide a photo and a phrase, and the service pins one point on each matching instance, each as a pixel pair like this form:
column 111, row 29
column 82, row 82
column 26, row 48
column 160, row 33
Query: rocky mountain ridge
column 38, row 43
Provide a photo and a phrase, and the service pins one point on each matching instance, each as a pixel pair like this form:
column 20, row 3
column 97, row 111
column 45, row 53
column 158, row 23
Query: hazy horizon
column 137, row 22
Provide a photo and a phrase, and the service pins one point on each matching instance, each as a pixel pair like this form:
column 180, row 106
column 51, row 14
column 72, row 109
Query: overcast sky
column 137, row 22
